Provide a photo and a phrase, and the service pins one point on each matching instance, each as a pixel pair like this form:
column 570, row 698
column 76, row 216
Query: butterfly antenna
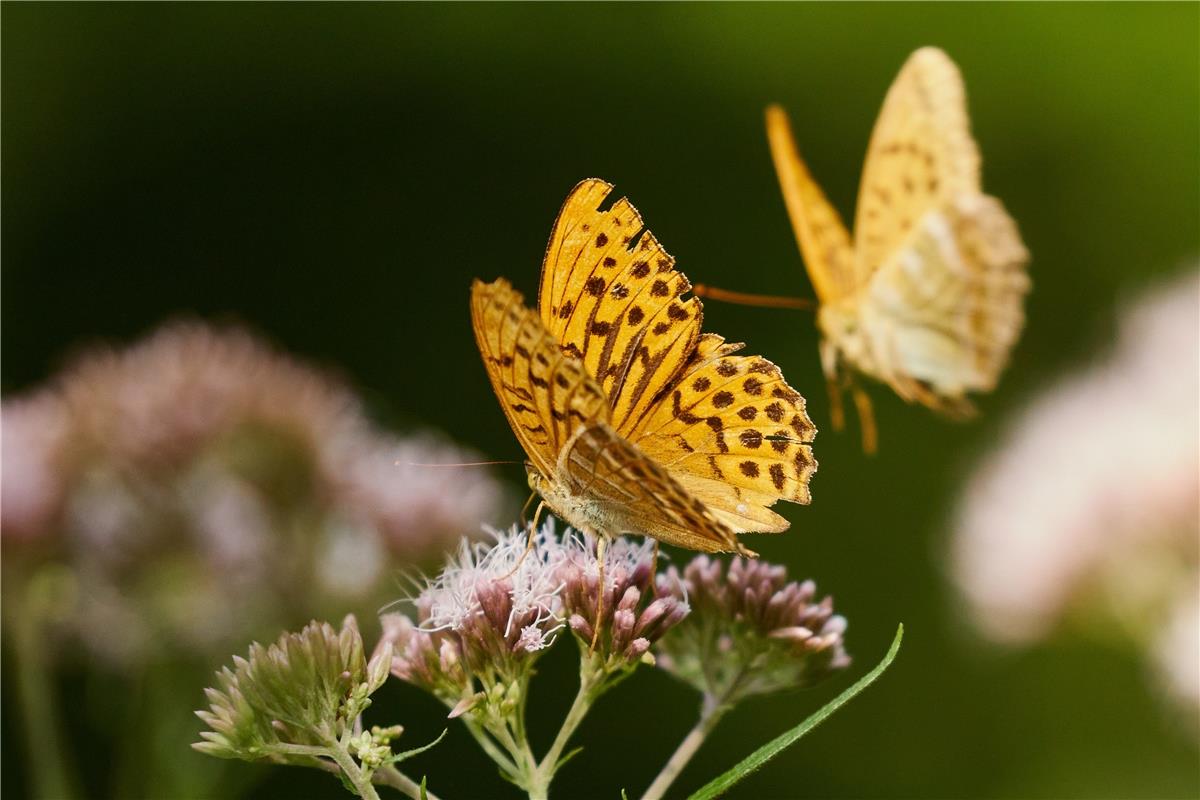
column 745, row 299
column 398, row 463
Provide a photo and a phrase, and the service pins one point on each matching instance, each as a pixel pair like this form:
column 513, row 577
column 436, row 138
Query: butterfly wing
column 941, row 266
column 943, row 313
column 545, row 394
column 638, row 495
column 559, row 413
column 819, row 229
column 734, row 434
column 921, row 155
column 610, row 294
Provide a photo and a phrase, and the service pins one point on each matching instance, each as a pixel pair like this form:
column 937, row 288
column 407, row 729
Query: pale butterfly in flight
column 928, row 295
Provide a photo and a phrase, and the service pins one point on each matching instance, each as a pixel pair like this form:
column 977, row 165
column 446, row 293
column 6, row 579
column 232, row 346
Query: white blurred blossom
column 1089, row 508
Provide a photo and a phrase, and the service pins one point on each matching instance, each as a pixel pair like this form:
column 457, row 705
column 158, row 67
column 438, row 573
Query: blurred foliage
column 335, row 176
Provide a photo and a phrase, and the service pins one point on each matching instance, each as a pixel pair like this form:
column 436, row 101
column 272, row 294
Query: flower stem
column 390, row 776
column 591, row 685
column 710, row 715
column 485, row 742
column 52, row 776
column 353, row 772
column 384, row 776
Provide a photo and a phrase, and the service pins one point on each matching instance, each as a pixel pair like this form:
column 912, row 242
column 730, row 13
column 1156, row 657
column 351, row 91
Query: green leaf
column 721, row 784
column 567, row 758
column 424, row 791
column 398, row 757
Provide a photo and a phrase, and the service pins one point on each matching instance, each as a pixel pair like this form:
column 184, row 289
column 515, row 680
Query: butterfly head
column 537, row 482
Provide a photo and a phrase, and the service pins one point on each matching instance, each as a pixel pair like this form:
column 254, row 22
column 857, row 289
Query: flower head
column 486, row 616
column 751, row 631
column 306, row 689
column 629, row 617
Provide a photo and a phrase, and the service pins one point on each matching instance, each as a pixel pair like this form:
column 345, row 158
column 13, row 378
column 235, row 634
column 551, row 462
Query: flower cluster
column 1087, row 512
column 497, row 604
column 485, row 617
column 300, row 701
column 627, row 625
column 478, row 627
column 193, row 480
column 307, row 690
column 751, row 631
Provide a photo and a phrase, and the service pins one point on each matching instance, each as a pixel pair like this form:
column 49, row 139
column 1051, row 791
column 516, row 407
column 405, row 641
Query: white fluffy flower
column 522, row 574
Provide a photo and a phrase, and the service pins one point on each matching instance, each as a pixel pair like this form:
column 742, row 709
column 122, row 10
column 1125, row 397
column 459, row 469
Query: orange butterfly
column 928, row 295
column 633, row 420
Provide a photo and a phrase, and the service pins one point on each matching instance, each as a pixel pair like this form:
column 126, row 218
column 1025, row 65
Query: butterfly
column 633, row 420
column 927, row 297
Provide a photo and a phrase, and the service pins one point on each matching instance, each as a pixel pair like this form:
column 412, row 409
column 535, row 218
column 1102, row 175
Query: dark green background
column 335, row 176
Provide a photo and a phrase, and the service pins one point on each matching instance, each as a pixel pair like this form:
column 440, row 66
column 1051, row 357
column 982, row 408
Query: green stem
column 485, row 742
column 354, row 773
column 390, row 776
column 710, row 715
column 384, row 776
column 52, row 777
column 578, row 710
column 310, row 751
column 591, row 686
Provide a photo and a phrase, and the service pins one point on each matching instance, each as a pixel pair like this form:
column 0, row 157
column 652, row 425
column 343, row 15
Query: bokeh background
column 334, row 176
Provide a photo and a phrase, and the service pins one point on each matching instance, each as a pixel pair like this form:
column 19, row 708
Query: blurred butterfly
column 928, row 296
column 633, row 420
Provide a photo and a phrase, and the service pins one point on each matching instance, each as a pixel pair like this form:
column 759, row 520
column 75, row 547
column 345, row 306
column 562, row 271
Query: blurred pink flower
column 1177, row 651
column 32, row 440
column 1090, row 506
column 200, row 482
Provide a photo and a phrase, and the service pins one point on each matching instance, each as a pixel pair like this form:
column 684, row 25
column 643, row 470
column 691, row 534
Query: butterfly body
column 927, row 295
column 634, row 421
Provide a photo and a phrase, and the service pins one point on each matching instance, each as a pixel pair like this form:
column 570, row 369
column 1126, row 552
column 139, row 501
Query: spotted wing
column 638, row 495
column 546, row 395
column 820, row 232
column 611, row 295
column 944, row 312
column 734, row 434
column 921, row 156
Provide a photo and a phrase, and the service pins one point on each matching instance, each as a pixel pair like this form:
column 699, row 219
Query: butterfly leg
column 834, row 384
column 837, row 415
column 531, row 537
column 654, row 570
column 866, row 418
column 601, row 549
column 528, row 503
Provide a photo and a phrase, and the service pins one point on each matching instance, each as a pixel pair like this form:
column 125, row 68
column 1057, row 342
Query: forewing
column 943, row 313
column 733, row 433
column 545, row 393
column 921, row 155
column 639, row 495
column 819, row 229
column 611, row 295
